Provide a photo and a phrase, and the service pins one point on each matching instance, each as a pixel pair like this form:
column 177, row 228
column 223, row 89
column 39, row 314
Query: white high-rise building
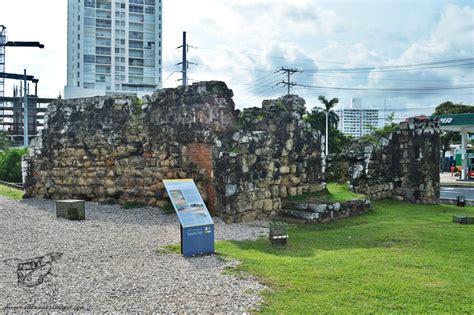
column 114, row 47
column 356, row 120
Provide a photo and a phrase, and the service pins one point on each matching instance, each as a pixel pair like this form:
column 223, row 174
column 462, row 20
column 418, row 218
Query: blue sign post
column 197, row 227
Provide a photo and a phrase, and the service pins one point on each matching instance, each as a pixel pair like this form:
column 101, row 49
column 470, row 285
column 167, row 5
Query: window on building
column 102, row 51
column 150, row 10
column 135, row 9
column 89, row 3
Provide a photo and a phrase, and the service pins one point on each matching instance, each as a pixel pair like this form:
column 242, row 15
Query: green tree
column 10, row 164
column 336, row 139
column 389, row 127
column 328, row 105
column 450, row 137
column 5, row 141
column 376, row 134
column 453, row 108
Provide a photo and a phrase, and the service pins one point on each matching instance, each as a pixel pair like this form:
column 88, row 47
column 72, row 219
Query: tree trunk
column 327, row 134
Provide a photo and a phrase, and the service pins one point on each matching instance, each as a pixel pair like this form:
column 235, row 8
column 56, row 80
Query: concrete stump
column 278, row 233
column 71, row 209
column 463, row 219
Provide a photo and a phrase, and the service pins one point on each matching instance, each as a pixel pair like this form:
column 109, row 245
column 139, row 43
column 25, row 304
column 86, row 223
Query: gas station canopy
column 463, row 123
column 457, row 122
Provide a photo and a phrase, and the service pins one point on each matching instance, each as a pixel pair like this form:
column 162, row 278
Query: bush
column 10, row 164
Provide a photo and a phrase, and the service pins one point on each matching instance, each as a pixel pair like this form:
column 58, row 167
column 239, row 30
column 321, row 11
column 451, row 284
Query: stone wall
column 120, row 149
column 274, row 155
column 404, row 166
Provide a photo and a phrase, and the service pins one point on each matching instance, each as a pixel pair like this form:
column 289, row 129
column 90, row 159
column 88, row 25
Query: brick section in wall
column 200, row 153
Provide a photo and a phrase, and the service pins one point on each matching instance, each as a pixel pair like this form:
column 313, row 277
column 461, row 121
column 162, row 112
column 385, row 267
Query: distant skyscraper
column 114, row 47
column 356, row 120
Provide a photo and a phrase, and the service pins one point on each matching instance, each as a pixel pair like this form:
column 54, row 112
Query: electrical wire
column 370, row 79
column 342, row 63
column 405, row 89
column 389, row 69
column 263, row 95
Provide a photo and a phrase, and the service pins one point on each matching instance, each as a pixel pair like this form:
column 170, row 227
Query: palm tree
column 328, row 105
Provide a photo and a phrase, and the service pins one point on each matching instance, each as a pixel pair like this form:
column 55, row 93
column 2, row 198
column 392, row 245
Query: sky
column 244, row 43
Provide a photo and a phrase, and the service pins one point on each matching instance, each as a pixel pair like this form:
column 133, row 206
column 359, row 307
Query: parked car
column 470, row 172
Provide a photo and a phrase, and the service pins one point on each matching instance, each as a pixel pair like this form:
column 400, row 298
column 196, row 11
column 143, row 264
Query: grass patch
column 334, row 192
column 11, row 193
column 169, row 249
column 168, row 209
column 132, row 205
column 400, row 258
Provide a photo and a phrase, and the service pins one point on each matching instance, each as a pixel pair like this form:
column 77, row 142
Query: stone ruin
column 404, row 165
column 245, row 163
column 119, row 149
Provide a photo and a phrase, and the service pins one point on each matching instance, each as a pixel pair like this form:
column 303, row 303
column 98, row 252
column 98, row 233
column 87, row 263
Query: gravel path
column 109, row 262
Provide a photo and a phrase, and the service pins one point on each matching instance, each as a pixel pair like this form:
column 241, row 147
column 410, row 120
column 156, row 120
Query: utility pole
column 25, row 112
column 289, row 72
column 184, row 63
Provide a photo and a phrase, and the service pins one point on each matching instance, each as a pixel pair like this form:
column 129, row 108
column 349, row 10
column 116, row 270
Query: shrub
column 10, row 164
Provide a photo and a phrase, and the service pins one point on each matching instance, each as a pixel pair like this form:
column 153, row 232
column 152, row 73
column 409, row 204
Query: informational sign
column 197, row 227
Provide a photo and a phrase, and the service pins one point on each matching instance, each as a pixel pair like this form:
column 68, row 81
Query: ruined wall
column 272, row 156
column 120, row 149
column 404, row 166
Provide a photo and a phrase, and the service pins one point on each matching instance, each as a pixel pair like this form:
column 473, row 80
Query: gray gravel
column 110, row 263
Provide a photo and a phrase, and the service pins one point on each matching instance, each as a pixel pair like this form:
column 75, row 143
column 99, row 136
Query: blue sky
column 244, row 42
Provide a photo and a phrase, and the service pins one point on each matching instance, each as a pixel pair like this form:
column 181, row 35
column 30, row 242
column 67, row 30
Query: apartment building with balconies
column 114, row 47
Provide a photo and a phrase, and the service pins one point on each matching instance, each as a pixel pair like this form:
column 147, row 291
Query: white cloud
column 28, row 20
column 305, row 32
column 452, row 38
column 255, row 29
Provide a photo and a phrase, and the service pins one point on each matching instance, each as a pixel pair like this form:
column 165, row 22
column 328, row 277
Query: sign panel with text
column 197, row 227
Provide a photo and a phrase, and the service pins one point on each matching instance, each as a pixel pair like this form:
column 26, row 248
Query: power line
column 390, row 69
column 261, row 90
column 284, row 58
column 263, row 94
column 259, row 80
column 236, row 68
column 372, row 79
column 426, row 88
column 271, row 85
column 341, row 63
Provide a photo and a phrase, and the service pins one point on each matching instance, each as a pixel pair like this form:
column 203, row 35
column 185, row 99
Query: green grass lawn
column 11, row 193
column 400, row 258
column 334, row 192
